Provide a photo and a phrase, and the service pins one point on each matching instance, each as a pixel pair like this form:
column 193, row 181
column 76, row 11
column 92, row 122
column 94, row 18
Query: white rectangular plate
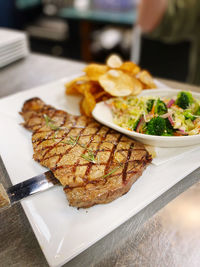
column 62, row 231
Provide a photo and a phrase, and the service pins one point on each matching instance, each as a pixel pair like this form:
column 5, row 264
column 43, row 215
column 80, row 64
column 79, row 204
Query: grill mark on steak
column 86, row 149
column 112, row 152
column 75, row 165
column 87, row 146
column 121, row 160
column 68, row 150
column 52, row 146
column 86, row 165
column 126, row 163
column 96, row 152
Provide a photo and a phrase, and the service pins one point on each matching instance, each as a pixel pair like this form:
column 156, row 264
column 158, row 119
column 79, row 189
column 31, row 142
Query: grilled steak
column 94, row 164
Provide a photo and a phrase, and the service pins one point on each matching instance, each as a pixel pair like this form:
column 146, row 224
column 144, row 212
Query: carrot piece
column 153, row 110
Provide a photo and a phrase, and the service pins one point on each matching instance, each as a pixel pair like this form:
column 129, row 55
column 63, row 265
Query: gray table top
column 165, row 233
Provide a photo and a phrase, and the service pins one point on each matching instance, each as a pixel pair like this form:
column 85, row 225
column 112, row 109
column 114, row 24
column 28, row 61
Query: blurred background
column 90, row 30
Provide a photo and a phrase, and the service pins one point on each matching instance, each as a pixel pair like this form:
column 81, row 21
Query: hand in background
column 150, row 14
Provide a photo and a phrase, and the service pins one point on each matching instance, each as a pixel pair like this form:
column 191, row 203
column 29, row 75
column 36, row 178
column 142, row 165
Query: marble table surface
column 165, row 233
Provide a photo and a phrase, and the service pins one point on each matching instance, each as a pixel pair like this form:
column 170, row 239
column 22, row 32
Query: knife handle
column 4, row 199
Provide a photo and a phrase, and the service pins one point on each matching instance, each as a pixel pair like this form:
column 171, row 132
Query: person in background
column 173, row 21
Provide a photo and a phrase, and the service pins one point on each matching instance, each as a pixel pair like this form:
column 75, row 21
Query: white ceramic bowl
column 103, row 114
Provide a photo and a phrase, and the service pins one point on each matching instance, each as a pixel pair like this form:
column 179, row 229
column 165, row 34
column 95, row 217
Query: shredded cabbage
column 128, row 111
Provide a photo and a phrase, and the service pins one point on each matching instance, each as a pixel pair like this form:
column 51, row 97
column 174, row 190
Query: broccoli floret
column 149, row 104
column 160, row 107
column 188, row 115
column 133, row 123
column 169, row 128
column 198, row 112
column 156, row 126
column 184, row 99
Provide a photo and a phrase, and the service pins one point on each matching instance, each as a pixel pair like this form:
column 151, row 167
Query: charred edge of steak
column 30, row 108
column 33, row 111
column 33, row 104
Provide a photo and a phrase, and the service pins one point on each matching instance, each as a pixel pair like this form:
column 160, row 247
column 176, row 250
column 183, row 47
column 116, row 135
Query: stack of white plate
column 13, row 46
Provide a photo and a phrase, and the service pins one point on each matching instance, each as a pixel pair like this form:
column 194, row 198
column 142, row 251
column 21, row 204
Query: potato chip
column 101, row 96
column 114, row 62
column 83, row 87
column 89, row 86
column 87, row 104
column 79, row 86
column 71, row 87
column 118, row 83
column 101, row 82
column 94, row 71
column 114, row 73
column 137, row 87
column 146, row 78
column 95, row 87
column 130, row 67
